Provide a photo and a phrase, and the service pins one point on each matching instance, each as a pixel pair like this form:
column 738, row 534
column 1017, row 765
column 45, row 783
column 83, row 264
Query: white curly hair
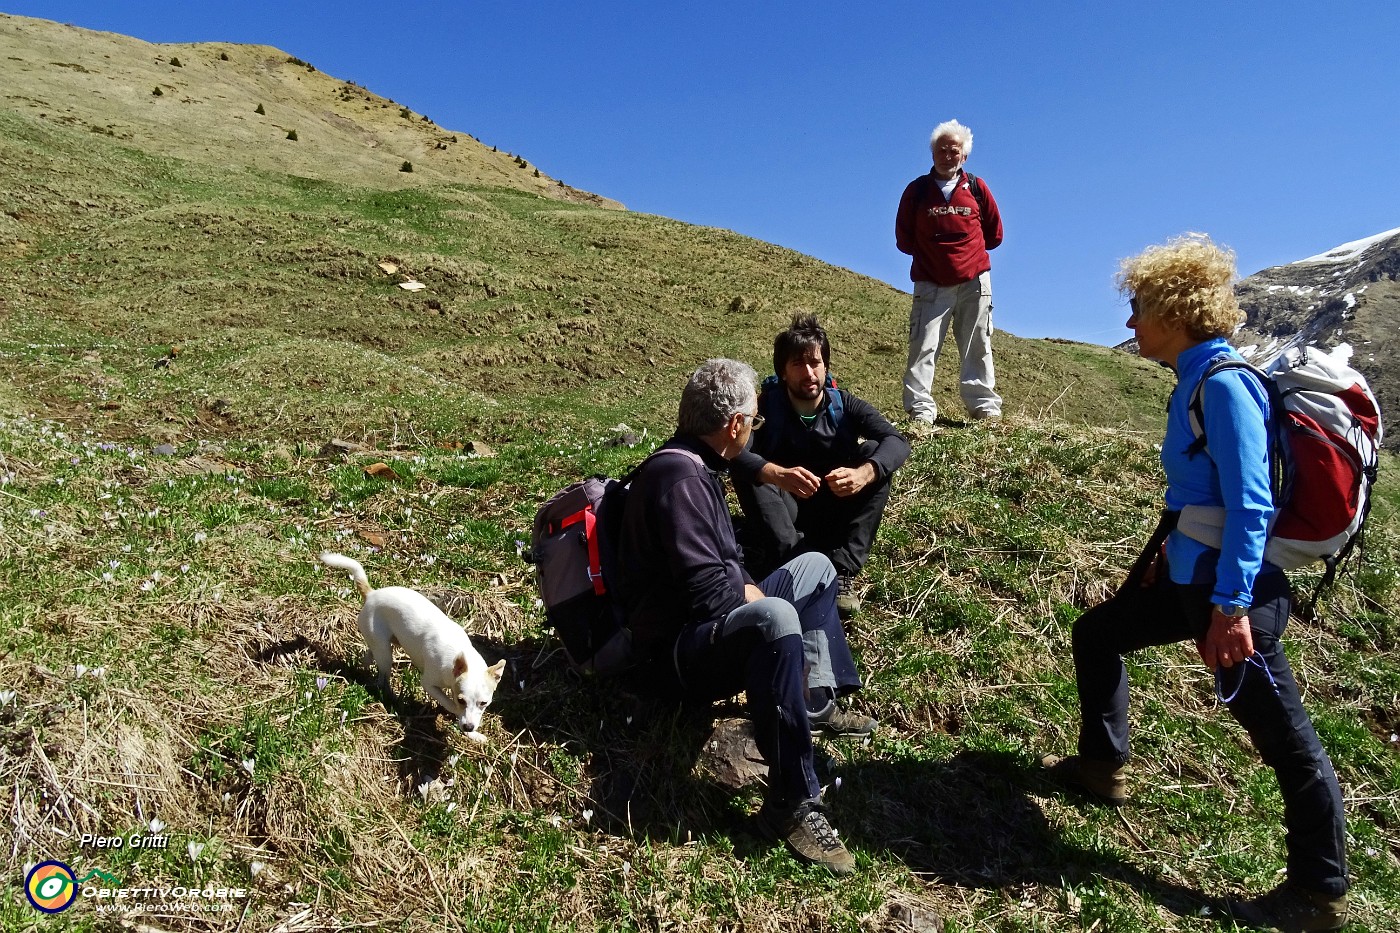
column 954, row 129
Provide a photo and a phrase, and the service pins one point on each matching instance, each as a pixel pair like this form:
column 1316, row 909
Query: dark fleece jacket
column 679, row 563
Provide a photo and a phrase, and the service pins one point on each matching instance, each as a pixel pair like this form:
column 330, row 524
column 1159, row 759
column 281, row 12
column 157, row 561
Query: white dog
column 453, row 672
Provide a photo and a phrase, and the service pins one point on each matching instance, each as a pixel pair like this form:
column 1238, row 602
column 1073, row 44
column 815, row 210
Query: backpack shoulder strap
column 631, row 474
column 979, row 194
column 836, row 405
column 979, row 191
column 1196, row 407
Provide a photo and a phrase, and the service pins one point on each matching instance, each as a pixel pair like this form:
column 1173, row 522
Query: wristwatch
column 1232, row 612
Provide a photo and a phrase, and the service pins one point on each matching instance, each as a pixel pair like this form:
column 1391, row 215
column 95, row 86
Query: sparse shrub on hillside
column 157, row 92
column 406, row 167
column 537, row 173
column 260, row 110
column 223, row 56
column 296, row 61
column 175, row 62
column 405, row 113
column 292, row 135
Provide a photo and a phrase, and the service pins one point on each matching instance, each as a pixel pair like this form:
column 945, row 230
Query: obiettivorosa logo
column 52, row 886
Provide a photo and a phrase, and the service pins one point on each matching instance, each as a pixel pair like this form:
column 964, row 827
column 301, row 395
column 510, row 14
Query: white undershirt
column 948, row 186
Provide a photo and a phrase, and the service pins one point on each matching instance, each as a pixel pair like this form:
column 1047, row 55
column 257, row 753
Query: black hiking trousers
column 1139, row 616
column 778, row 526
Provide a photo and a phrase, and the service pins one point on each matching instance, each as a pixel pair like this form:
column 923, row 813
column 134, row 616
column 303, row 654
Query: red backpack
column 1326, row 440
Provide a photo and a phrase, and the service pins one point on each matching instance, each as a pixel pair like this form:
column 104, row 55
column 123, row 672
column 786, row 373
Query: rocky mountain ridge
column 1349, row 295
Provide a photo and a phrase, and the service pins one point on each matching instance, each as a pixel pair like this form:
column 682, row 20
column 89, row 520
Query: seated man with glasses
column 818, row 476
column 698, row 618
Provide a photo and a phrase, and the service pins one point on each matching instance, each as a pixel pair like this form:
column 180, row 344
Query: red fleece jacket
column 948, row 238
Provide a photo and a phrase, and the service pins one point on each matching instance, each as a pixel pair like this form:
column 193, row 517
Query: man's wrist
column 1230, row 612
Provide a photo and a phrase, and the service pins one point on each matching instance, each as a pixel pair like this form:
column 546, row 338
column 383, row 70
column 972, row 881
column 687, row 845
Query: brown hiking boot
column 1292, row 909
column 1102, row 779
column 808, row 835
column 847, row 602
column 836, row 720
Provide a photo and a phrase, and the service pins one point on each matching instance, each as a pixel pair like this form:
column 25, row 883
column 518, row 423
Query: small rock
column 338, row 450
column 164, row 450
column 731, row 754
column 900, row 917
column 478, row 449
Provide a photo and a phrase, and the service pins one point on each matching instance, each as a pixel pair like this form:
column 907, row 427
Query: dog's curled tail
column 341, row 562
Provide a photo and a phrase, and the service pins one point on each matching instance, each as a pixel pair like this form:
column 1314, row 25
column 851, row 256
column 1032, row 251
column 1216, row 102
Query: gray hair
column 954, row 129
column 716, row 390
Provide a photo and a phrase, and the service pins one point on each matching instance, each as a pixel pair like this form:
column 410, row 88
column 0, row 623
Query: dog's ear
column 496, row 671
column 459, row 666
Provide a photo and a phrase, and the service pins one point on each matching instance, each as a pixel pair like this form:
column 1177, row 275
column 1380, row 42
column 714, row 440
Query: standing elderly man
column 817, row 476
column 947, row 222
column 691, row 607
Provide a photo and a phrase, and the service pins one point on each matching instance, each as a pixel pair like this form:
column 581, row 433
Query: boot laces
column 820, row 827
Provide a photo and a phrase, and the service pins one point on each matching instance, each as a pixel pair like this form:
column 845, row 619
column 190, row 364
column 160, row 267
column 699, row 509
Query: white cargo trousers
column 968, row 308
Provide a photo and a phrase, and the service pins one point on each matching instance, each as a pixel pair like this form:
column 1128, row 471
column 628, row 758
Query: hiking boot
column 847, row 602
column 833, row 720
column 807, row 834
column 1102, row 779
column 1289, row 908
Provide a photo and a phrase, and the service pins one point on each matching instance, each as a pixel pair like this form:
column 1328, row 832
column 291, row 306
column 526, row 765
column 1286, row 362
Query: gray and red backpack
column 1325, row 440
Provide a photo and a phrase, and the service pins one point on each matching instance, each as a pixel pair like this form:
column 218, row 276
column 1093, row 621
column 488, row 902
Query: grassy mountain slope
column 200, row 102
column 274, row 282
column 169, row 650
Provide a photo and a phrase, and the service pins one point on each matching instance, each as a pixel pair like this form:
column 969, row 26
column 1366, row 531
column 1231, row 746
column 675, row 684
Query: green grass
column 281, row 750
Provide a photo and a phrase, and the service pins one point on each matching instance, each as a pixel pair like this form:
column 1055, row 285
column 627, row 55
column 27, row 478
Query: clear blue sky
column 1100, row 127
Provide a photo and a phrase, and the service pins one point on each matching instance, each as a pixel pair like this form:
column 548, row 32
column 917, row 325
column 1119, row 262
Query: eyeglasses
column 755, row 421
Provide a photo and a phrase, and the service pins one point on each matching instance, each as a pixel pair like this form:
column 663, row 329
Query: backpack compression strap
column 595, row 560
column 1197, row 416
